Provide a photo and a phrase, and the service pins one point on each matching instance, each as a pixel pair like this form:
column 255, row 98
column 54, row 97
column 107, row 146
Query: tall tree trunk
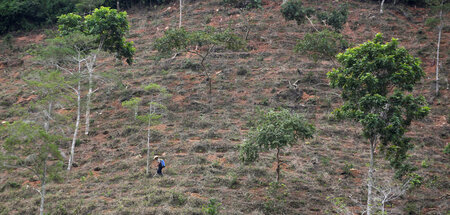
column 88, row 105
column 381, row 7
column 148, row 140
column 181, row 8
column 77, row 125
column 437, row 50
column 49, row 117
column 90, row 67
column 278, row 164
column 41, row 208
column 370, row 180
column 118, row 5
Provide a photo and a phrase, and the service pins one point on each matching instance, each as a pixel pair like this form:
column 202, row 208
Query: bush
column 322, row 45
column 245, row 4
column 447, row 149
column 27, row 15
column 336, row 18
column 212, row 208
column 276, row 196
column 294, row 10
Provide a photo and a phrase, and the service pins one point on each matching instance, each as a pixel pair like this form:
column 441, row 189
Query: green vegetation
column 29, row 147
column 30, row 14
column 321, row 45
column 108, row 26
column 275, row 130
column 201, row 43
column 374, row 78
column 336, row 18
column 212, row 208
column 223, row 156
column 27, row 15
column 132, row 104
column 245, row 4
column 294, row 10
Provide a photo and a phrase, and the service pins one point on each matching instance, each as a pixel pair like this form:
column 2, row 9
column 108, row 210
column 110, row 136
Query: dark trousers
column 159, row 171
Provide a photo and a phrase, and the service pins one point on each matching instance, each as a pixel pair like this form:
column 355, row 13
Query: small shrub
column 294, row 10
column 347, row 168
column 336, row 18
column 212, row 208
column 232, row 180
column 245, row 4
column 447, row 149
column 8, row 41
column 432, row 22
column 277, row 194
column 322, row 45
column 177, row 199
column 13, row 184
column 242, row 71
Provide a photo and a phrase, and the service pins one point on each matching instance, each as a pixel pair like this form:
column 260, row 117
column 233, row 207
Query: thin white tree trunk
column 181, row 8
column 77, row 125
column 370, row 179
column 41, row 208
column 90, row 67
column 136, row 109
column 437, row 51
column 278, row 164
column 88, row 105
column 381, row 7
column 148, row 139
column 49, row 117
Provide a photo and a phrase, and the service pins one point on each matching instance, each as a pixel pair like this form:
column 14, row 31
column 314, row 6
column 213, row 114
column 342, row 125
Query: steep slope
column 199, row 138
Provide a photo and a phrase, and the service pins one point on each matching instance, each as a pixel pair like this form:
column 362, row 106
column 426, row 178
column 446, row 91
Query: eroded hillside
column 199, row 137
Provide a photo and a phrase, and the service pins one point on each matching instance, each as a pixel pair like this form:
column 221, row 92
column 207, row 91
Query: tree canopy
column 275, row 130
column 374, row 78
column 108, row 26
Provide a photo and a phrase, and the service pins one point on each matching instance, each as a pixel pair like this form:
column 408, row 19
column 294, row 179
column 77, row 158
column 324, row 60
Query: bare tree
column 90, row 63
column 389, row 191
column 438, row 46
column 381, row 7
column 67, row 54
column 181, row 8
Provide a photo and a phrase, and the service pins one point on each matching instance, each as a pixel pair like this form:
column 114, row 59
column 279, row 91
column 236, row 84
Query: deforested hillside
column 193, row 95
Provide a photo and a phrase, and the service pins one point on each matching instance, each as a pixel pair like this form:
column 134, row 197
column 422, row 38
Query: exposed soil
column 198, row 138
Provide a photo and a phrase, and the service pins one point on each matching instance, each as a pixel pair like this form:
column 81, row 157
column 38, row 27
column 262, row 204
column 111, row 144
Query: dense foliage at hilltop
column 29, row 14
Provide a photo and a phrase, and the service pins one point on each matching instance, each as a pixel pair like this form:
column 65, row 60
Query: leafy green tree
column 294, row 10
column 68, row 54
column 49, row 86
column 201, row 43
column 133, row 104
column 275, row 130
column 244, row 7
column 29, row 14
column 28, row 146
column 321, row 45
column 154, row 114
column 336, row 18
column 109, row 27
column 374, row 78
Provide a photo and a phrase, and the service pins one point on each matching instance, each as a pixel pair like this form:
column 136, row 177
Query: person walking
column 161, row 165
